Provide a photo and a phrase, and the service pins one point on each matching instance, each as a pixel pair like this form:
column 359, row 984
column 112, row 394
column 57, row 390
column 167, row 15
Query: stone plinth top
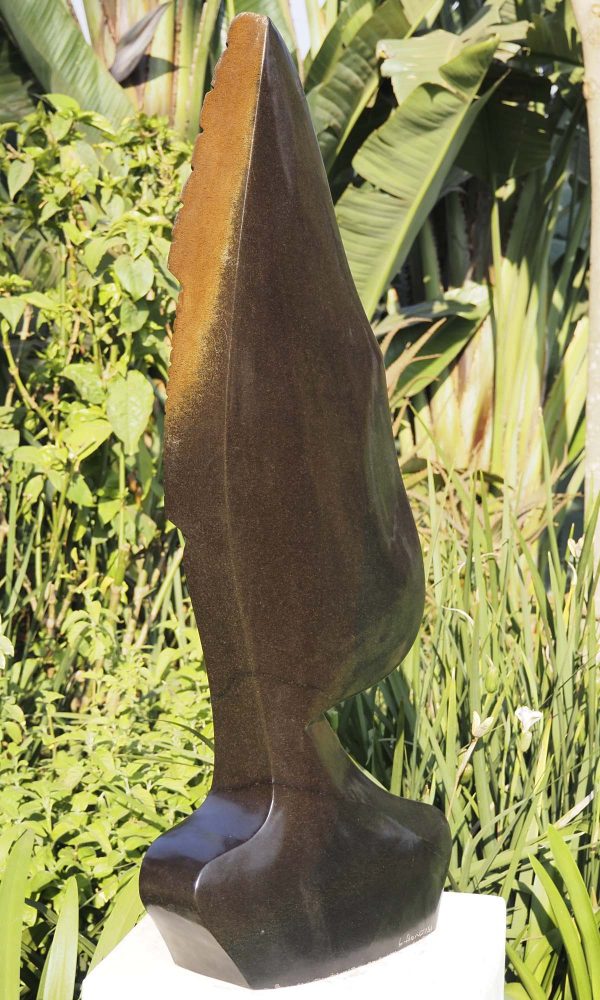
column 463, row 959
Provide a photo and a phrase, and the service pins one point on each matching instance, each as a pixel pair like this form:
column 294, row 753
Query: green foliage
column 12, row 898
column 343, row 88
column 58, row 55
column 58, row 977
column 510, row 623
column 96, row 786
column 404, row 164
column 98, row 648
column 574, row 934
column 124, row 915
column 105, row 723
column 86, row 230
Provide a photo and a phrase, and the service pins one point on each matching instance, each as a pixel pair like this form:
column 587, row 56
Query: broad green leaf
column 435, row 357
column 411, row 62
column 86, row 379
column 12, row 309
column 94, row 251
column 404, row 164
column 40, row 458
column 79, row 493
column 12, row 903
column 8, row 837
column 515, row 991
column 137, row 236
column 136, row 276
column 62, row 102
column 422, row 12
column 59, row 125
column 50, row 460
column 129, row 406
column 19, row 173
column 51, row 42
column 350, row 20
column 9, row 441
column 77, row 155
column 563, row 411
column 73, row 233
column 199, row 39
column 431, row 106
column 18, row 86
column 553, row 39
column 132, row 317
column 336, row 104
column 61, row 964
column 85, row 433
column 108, row 509
column 124, row 915
column 278, row 11
column 507, row 140
column 42, row 301
column 471, row 301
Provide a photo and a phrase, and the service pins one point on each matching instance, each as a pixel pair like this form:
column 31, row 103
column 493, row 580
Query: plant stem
column 587, row 16
column 26, row 396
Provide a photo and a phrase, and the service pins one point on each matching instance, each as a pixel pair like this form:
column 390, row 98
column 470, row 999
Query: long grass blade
column 126, row 911
column 12, row 904
column 58, row 978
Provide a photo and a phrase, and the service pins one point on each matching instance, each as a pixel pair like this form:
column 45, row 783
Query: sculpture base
column 463, row 959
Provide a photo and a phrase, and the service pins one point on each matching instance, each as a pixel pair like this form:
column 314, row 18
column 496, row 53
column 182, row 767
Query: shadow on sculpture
column 301, row 556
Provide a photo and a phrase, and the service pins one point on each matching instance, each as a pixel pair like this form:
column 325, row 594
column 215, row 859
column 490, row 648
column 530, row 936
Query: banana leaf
column 18, row 86
column 404, row 165
column 336, row 103
column 345, row 27
column 508, row 139
column 278, row 11
column 51, row 42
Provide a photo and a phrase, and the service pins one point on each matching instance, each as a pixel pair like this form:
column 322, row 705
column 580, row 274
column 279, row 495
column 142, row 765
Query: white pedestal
column 462, row 960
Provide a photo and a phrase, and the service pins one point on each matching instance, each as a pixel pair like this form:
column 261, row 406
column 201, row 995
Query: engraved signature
column 410, row 938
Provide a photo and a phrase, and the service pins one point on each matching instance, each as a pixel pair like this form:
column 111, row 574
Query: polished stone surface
column 462, row 960
column 301, row 555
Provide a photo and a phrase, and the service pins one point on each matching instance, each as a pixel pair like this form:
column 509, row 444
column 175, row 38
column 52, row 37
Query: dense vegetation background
column 456, row 145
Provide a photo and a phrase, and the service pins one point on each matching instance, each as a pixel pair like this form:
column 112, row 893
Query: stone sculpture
column 301, row 556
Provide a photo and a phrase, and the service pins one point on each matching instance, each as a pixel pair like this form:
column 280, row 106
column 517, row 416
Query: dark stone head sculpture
column 301, row 555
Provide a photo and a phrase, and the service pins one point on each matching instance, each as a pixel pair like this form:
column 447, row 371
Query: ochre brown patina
column 301, row 556
column 207, row 233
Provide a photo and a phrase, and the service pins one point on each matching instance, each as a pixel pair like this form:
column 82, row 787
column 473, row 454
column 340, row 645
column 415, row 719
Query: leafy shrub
column 97, row 641
column 87, row 306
